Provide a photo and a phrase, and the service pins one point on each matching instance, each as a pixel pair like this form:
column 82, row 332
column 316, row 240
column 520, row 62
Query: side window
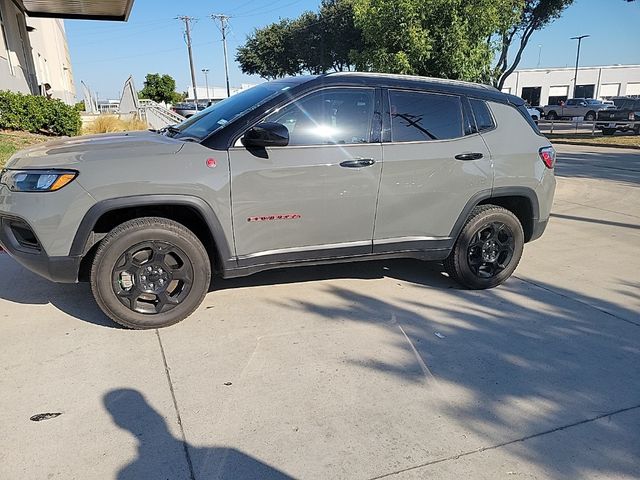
column 328, row 117
column 482, row 114
column 572, row 103
column 419, row 117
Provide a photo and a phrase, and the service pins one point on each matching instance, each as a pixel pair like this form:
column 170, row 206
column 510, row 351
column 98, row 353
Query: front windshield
column 217, row 116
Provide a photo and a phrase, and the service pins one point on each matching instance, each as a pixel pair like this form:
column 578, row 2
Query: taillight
column 632, row 116
column 548, row 156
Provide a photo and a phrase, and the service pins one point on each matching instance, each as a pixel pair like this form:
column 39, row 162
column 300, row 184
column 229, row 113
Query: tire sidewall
column 105, row 262
column 466, row 274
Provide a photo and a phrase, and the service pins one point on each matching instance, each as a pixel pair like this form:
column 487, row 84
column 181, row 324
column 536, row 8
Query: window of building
column 633, row 89
column 532, row 95
column 482, row 114
column 417, row 116
column 608, row 90
column 558, row 94
column 585, row 91
column 328, row 117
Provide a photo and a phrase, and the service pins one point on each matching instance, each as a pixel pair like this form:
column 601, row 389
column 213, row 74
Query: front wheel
column 488, row 249
column 552, row 115
column 150, row 273
column 590, row 117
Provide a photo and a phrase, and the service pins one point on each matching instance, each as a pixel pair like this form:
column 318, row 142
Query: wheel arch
column 191, row 211
column 521, row 201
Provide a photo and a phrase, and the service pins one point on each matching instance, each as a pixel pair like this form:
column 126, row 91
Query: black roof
column 457, row 87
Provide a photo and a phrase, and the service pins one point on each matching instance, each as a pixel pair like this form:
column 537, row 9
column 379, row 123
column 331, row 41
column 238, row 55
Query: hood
column 69, row 152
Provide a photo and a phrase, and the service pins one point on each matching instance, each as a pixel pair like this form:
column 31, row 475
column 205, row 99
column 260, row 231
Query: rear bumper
column 32, row 255
column 538, row 229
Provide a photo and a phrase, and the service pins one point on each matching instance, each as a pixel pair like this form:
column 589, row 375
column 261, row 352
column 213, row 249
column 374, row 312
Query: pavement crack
column 510, row 442
column 175, row 406
column 601, row 310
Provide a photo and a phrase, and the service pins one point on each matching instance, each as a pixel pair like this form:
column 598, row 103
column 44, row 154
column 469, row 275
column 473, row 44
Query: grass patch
column 618, row 140
column 111, row 123
column 12, row 141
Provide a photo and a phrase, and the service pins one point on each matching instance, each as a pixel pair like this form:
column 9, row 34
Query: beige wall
column 30, row 59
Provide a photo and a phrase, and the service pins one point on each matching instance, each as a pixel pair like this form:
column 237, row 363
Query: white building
column 34, row 55
column 215, row 94
column 544, row 86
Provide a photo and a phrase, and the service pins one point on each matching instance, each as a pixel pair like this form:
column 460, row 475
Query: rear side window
column 419, row 116
column 482, row 114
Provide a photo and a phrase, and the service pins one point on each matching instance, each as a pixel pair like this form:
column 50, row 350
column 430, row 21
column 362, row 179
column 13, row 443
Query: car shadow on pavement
column 534, row 359
column 19, row 285
column 161, row 455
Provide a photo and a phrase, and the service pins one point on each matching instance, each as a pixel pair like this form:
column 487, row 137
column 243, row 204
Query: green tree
column 160, row 88
column 314, row 43
column 441, row 38
column 530, row 17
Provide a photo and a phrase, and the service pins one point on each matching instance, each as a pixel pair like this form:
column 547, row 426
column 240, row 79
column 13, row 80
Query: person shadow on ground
column 162, row 456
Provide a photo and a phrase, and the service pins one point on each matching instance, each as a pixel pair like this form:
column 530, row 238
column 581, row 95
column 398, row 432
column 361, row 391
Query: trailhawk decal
column 270, row 218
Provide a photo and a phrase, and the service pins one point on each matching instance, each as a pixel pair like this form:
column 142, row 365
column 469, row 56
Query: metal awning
column 78, row 9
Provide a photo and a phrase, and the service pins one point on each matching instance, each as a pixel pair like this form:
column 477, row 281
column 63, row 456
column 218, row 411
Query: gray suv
column 306, row 170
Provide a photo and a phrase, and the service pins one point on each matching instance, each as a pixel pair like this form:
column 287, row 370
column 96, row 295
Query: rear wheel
column 552, row 115
column 608, row 131
column 488, row 249
column 150, row 273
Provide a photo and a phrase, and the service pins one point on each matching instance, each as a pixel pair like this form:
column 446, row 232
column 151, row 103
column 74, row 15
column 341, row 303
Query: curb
column 595, row 144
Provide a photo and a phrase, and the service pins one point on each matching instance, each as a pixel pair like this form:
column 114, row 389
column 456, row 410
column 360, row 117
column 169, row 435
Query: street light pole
column 575, row 77
column 206, row 82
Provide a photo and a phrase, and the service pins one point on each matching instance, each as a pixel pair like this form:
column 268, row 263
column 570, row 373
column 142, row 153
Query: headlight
column 37, row 180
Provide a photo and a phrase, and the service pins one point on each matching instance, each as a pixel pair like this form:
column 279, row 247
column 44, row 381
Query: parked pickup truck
column 620, row 118
column 586, row 108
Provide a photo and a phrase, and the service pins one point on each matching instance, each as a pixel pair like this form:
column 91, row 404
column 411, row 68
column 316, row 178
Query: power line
column 224, row 22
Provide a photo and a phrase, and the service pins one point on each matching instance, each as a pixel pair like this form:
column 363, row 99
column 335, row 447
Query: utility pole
column 187, row 35
column 224, row 22
column 206, row 82
column 575, row 77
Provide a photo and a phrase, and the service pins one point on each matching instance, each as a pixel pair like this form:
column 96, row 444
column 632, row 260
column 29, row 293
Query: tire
column 482, row 218
column 552, row 115
column 637, row 130
column 608, row 131
column 150, row 273
column 590, row 117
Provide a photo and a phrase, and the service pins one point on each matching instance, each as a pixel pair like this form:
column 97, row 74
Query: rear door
column 315, row 198
column 434, row 162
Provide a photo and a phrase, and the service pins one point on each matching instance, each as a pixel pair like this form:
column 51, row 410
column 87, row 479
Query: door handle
column 358, row 162
column 469, row 156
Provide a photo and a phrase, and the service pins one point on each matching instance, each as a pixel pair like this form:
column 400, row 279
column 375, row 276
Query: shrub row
column 38, row 114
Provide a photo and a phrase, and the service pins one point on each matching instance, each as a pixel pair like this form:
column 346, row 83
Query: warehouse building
column 550, row 86
column 34, row 56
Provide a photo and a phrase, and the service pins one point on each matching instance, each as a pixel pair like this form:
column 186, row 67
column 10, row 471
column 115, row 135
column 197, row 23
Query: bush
column 38, row 114
column 111, row 123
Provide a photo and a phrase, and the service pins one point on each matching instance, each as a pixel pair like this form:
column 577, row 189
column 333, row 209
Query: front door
column 315, row 198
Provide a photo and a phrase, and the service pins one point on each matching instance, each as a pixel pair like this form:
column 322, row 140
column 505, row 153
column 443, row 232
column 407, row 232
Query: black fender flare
column 203, row 208
column 496, row 192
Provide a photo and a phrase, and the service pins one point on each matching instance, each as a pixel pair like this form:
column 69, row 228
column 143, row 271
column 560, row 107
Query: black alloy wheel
column 491, row 249
column 152, row 277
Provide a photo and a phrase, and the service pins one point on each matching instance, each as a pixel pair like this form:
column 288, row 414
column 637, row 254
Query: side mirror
column 583, row 104
column 268, row 134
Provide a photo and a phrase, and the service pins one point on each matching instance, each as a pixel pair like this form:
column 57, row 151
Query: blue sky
column 104, row 54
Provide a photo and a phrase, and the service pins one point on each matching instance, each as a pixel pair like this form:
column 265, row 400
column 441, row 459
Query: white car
column 534, row 112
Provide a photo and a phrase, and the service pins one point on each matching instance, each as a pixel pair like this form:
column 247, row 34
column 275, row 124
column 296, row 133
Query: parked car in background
column 621, row 118
column 145, row 217
column 587, row 108
column 188, row 110
column 535, row 112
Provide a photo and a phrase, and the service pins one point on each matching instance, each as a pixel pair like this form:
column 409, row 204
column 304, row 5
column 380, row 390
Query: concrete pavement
column 378, row 370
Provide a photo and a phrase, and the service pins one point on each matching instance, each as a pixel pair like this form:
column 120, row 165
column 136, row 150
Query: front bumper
column 18, row 239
